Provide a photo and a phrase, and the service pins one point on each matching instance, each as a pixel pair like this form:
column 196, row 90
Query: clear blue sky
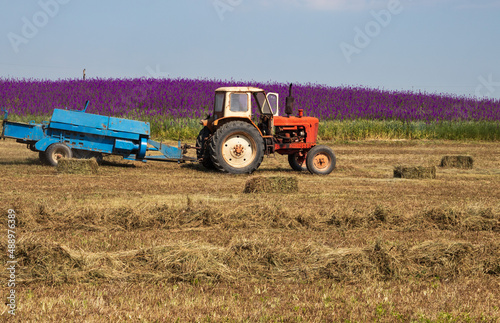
column 450, row 46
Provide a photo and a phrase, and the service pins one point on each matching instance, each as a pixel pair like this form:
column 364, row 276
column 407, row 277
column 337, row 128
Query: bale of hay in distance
column 466, row 162
column 415, row 172
column 274, row 184
column 77, row 166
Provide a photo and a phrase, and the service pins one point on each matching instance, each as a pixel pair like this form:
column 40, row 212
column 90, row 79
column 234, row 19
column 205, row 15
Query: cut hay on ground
column 457, row 162
column 180, row 261
column 275, row 184
column 259, row 257
column 77, row 166
column 415, row 172
column 470, row 220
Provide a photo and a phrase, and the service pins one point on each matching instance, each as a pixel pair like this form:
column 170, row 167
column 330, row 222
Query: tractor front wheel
column 57, row 151
column 297, row 161
column 320, row 160
column 237, row 147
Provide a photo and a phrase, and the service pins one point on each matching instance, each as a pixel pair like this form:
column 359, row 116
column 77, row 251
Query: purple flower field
column 185, row 98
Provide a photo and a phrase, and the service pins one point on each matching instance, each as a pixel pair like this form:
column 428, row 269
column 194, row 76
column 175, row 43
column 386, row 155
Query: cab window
column 273, row 102
column 239, row 102
column 219, row 101
column 260, row 97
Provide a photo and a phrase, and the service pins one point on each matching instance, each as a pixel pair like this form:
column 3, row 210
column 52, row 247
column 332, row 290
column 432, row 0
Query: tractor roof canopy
column 239, row 89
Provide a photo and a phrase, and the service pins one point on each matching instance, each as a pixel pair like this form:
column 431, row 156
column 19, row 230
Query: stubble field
column 166, row 242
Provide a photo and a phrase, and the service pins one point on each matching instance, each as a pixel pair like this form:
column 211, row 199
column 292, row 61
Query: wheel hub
column 321, row 161
column 58, row 155
column 238, row 150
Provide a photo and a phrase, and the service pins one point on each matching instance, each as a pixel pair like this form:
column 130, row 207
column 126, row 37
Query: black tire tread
column 223, row 131
column 292, row 161
column 48, row 152
column 313, row 152
column 203, row 154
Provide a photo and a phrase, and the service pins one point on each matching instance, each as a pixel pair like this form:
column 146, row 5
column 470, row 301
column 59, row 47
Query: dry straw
column 275, row 184
column 415, row 172
column 457, row 162
column 255, row 258
column 470, row 220
column 77, row 166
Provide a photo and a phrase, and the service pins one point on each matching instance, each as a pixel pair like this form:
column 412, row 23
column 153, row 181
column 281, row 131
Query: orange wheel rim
column 321, row 161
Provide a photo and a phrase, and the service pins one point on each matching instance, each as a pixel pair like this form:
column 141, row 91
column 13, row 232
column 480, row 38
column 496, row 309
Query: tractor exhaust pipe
column 289, row 102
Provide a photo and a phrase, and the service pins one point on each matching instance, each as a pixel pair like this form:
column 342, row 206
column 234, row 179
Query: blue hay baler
column 78, row 134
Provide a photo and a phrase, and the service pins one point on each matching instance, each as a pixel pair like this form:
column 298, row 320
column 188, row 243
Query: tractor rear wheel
column 297, row 162
column 237, row 147
column 57, row 151
column 203, row 151
column 320, row 160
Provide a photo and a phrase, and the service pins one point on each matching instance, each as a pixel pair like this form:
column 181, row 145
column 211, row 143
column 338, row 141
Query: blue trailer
column 79, row 134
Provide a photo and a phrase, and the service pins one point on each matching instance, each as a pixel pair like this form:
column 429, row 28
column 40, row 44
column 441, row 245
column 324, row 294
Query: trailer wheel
column 297, row 162
column 57, row 151
column 203, row 153
column 320, row 160
column 237, row 147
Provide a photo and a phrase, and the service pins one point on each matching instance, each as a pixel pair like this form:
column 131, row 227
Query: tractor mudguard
column 220, row 122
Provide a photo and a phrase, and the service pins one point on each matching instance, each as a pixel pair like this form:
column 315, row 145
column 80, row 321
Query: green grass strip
column 187, row 129
column 393, row 129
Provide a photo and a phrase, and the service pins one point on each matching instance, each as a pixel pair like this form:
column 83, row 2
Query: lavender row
column 188, row 98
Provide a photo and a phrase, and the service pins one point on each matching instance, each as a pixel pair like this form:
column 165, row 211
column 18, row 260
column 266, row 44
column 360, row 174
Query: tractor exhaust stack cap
column 289, row 102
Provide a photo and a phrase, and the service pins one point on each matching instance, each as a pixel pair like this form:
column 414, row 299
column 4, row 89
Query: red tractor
column 231, row 141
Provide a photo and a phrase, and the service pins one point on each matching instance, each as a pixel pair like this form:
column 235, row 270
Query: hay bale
column 274, row 184
column 465, row 162
column 415, row 172
column 77, row 166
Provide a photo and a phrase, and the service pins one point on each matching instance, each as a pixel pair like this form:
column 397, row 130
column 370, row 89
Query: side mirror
column 289, row 102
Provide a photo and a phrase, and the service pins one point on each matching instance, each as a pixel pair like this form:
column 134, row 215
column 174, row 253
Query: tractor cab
column 232, row 103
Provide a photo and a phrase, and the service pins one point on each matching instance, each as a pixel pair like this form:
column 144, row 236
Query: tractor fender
column 222, row 121
column 43, row 144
